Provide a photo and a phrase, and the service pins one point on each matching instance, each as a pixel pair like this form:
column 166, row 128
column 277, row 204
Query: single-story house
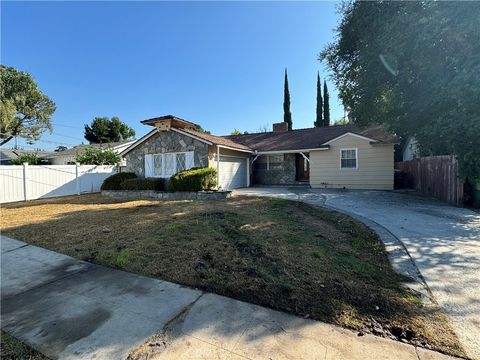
column 342, row 156
column 7, row 155
column 68, row 156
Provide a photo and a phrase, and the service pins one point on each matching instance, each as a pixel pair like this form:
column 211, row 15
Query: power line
column 67, row 136
column 53, row 134
column 47, row 141
column 68, row 126
column 55, row 142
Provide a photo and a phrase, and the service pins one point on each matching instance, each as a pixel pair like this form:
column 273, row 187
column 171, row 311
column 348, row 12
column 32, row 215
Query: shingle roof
column 79, row 148
column 218, row 140
column 6, row 154
column 311, row 138
column 299, row 139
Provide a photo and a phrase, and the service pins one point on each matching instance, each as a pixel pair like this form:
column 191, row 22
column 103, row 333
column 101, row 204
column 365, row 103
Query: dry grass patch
column 13, row 349
column 282, row 254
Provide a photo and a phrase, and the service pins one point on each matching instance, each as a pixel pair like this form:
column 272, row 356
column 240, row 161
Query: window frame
column 269, row 162
column 356, row 159
column 175, row 167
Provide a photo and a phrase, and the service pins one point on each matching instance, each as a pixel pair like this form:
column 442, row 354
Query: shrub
column 98, row 156
column 193, row 180
column 31, row 159
column 144, row 184
column 114, row 181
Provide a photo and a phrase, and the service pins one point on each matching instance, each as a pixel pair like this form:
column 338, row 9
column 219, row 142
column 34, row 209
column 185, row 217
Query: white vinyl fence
column 28, row 182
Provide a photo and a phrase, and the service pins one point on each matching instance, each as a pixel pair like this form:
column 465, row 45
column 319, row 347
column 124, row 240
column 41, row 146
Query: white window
column 349, row 158
column 275, row 162
column 157, row 165
column 269, row 162
column 167, row 164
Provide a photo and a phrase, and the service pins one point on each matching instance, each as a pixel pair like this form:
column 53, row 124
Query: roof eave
column 234, row 148
column 321, row 148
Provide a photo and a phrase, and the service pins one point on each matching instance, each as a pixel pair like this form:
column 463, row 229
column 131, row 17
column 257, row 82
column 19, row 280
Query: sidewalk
column 70, row 309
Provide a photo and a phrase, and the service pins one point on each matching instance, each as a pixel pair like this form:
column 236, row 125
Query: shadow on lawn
column 283, row 255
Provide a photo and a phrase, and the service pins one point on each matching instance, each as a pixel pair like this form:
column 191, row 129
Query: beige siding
column 212, row 153
column 375, row 166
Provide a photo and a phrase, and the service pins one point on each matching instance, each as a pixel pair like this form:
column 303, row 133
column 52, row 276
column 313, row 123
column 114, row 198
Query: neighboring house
column 7, row 155
column 66, row 157
column 331, row 157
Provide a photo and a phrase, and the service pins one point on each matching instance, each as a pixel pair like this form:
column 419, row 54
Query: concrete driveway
column 443, row 241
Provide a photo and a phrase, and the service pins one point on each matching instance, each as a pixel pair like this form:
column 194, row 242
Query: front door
column 303, row 168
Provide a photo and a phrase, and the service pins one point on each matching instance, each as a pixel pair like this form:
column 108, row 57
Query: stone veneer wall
column 284, row 176
column 164, row 142
column 166, row 195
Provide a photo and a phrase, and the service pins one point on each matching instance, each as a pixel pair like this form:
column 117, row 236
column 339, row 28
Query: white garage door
column 233, row 172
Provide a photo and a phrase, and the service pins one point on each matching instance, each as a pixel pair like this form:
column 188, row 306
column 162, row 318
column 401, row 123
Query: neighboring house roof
column 7, row 155
column 79, row 148
column 312, row 138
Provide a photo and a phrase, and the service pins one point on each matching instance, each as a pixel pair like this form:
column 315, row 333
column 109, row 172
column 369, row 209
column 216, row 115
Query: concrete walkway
column 70, row 309
column 442, row 240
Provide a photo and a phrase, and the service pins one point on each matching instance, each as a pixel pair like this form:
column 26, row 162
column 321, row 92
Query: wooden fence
column 28, row 182
column 436, row 176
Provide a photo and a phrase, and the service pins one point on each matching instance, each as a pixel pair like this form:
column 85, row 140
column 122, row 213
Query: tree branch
column 7, row 139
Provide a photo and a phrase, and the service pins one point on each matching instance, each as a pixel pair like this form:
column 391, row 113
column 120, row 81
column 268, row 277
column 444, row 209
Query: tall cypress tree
column 319, row 118
column 326, row 105
column 287, row 115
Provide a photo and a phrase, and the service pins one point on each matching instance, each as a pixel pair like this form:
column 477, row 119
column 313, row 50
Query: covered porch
column 281, row 168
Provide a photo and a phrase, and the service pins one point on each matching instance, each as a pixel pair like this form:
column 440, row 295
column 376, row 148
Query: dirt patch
column 285, row 255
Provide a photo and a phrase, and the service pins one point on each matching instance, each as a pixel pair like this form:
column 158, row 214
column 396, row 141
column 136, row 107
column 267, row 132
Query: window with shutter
column 168, row 164
column 149, row 165
column 157, row 165
column 181, row 163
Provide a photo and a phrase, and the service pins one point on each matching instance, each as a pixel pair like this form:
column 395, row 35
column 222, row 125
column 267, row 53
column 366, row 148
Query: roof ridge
column 293, row 130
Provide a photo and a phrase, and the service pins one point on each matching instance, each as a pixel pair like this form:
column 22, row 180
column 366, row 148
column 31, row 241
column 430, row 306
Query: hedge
column 144, row 184
column 193, row 180
column 114, row 181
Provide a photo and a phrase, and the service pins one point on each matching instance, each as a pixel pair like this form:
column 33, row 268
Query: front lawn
column 285, row 255
column 13, row 349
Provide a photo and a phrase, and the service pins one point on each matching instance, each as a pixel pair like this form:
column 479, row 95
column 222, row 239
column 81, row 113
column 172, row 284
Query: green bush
column 193, row 180
column 114, row 181
column 31, row 159
column 98, row 156
column 144, row 184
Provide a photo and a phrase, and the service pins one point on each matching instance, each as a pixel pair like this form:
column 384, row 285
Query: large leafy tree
column 105, row 130
column 24, row 110
column 319, row 115
column 414, row 67
column 287, row 115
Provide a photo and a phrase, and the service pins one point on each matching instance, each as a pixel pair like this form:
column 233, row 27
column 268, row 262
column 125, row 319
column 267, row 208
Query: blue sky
column 219, row 64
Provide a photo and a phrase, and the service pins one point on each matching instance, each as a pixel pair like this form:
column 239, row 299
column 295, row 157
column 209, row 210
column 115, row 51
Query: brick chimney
column 280, row 127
